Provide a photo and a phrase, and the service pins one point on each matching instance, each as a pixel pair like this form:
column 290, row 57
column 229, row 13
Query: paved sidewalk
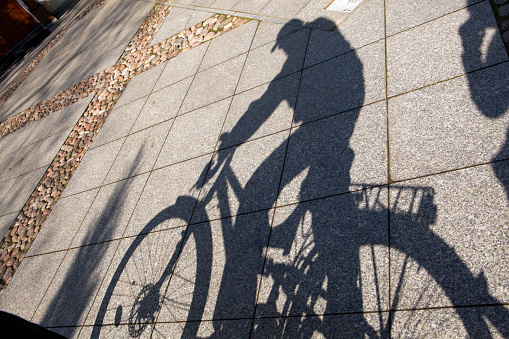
column 231, row 169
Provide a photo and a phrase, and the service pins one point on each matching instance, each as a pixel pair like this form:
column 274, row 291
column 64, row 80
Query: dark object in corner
column 23, row 48
column 12, row 326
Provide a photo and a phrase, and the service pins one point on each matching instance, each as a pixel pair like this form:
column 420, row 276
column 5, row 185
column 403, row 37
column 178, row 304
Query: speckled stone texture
column 281, row 180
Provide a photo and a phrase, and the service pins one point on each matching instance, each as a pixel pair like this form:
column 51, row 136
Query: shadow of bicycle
column 294, row 248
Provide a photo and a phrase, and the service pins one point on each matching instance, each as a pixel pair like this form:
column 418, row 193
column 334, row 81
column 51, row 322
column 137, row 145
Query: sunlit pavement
column 267, row 168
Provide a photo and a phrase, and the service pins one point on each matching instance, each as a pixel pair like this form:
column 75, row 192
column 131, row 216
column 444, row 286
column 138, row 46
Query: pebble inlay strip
column 108, row 85
column 45, row 51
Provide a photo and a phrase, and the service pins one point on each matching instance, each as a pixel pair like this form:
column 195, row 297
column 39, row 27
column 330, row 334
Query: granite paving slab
column 139, row 152
column 36, row 276
column 224, row 4
column 94, row 168
column 119, row 123
column 230, row 328
column 139, row 56
column 267, row 63
column 140, row 86
column 46, row 151
column 16, row 140
column 162, row 105
column 45, row 127
column 203, row 3
column 188, row 139
column 344, row 325
column 326, row 156
column 60, row 121
column 315, row 9
column 213, row 84
column 282, row 9
column 251, row 178
column 180, row 68
column 440, row 128
column 110, row 212
column 4, row 189
column 343, row 83
column 184, row 2
column 70, row 332
column 4, row 163
column 402, row 15
column 19, row 161
column 111, row 331
column 229, row 46
column 233, row 250
column 63, row 223
column 268, row 107
column 445, row 323
column 455, row 253
column 268, row 32
column 6, row 221
column 434, row 52
column 139, row 263
column 175, row 22
column 21, row 189
column 71, row 293
column 326, row 44
column 162, row 190
column 327, row 256
column 248, row 6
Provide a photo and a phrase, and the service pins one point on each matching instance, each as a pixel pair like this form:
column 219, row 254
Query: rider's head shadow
column 332, row 80
column 330, row 97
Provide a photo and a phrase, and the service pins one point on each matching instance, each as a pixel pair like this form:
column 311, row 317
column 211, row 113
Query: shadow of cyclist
column 318, row 152
column 489, row 89
column 309, row 252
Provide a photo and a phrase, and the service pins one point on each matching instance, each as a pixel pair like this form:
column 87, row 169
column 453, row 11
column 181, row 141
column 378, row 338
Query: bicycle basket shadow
column 412, row 203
